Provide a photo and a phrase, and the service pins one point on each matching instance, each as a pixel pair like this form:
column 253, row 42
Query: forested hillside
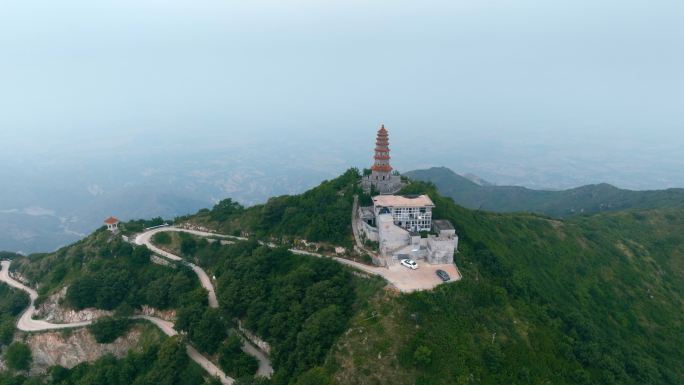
column 107, row 273
column 589, row 300
column 322, row 214
column 299, row 304
column 586, row 300
column 588, row 199
column 12, row 303
column 157, row 363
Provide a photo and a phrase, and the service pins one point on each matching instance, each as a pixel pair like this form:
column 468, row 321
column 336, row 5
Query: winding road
column 146, row 239
column 265, row 367
column 167, row 328
column 400, row 278
column 28, row 324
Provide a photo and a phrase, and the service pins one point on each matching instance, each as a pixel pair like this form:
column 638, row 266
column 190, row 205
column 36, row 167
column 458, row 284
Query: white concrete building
column 395, row 222
column 411, row 212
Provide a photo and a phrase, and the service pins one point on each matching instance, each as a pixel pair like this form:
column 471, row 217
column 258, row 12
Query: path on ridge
column 403, row 279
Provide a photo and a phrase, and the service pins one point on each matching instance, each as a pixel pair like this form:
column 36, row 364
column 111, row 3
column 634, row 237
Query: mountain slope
column 590, row 300
column 321, row 214
column 581, row 200
column 585, row 300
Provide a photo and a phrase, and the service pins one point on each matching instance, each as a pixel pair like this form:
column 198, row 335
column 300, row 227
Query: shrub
column 314, row 376
column 18, row 356
column 422, row 355
column 107, row 330
column 234, row 361
column 162, row 238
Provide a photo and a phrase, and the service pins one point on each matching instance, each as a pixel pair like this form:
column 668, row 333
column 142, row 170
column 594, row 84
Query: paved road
column 168, row 328
column 404, row 279
column 26, row 322
column 265, row 367
column 146, row 239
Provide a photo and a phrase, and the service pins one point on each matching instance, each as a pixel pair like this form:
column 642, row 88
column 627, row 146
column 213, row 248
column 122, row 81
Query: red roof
column 111, row 221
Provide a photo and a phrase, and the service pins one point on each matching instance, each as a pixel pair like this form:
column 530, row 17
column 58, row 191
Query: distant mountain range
column 472, row 192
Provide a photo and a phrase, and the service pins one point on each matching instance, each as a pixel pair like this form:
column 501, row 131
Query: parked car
column 410, row 263
column 443, row 275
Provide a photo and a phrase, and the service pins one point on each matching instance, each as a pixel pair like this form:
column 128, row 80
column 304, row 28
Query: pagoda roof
column 111, row 221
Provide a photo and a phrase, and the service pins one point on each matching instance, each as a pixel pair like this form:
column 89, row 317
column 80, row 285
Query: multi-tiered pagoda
column 381, row 178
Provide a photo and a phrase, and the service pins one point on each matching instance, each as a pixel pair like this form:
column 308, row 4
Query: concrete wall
column 441, row 249
column 392, row 237
column 369, row 231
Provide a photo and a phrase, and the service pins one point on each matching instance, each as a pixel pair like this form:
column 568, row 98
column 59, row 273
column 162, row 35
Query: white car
column 410, row 263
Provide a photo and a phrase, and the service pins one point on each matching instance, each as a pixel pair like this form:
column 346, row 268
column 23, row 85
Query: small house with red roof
column 112, row 224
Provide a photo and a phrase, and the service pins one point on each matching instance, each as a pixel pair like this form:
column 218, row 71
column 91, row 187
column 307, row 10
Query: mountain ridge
column 587, row 199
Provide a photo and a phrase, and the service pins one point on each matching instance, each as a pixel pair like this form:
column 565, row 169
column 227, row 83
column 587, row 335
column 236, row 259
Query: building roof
column 367, row 213
column 403, row 201
column 442, row 224
column 111, row 221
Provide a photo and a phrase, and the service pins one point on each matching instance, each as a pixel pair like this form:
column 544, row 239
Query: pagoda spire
column 381, row 164
column 381, row 177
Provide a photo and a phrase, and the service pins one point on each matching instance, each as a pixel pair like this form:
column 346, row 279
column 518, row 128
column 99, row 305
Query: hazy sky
column 603, row 80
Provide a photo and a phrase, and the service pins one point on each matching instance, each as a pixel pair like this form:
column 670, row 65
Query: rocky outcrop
column 52, row 311
column 195, row 227
column 71, row 348
column 166, row 315
column 253, row 338
column 161, row 261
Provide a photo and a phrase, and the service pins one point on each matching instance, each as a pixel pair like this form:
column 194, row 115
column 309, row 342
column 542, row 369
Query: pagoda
column 381, row 178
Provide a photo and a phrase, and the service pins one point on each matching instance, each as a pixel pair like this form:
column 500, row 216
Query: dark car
column 443, row 275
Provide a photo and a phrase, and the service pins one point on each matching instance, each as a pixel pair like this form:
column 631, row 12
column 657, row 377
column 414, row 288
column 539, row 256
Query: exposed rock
column 253, row 338
column 52, row 311
column 192, row 226
column 71, row 348
column 20, row 277
column 166, row 315
column 161, row 261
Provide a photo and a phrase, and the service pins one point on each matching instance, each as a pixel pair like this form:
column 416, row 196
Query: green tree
column 423, row 355
column 225, row 209
column 18, row 356
column 188, row 245
column 162, row 238
column 209, row 332
column 314, row 376
column 234, row 361
column 108, row 329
